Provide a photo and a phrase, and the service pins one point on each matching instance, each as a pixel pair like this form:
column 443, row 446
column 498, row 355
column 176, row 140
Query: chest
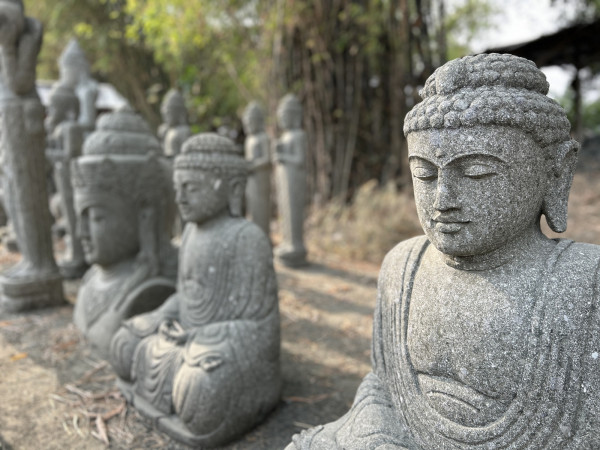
column 470, row 329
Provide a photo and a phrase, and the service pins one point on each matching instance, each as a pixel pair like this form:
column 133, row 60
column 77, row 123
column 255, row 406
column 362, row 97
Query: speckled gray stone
column 125, row 208
column 290, row 177
column 204, row 368
column 486, row 332
column 256, row 149
column 35, row 280
column 75, row 73
column 175, row 129
column 64, row 142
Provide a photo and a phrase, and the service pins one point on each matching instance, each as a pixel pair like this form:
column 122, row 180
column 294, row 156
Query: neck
column 108, row 273
column 525, row 244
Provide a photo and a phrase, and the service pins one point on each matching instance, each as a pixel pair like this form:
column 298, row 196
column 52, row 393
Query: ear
column 559, row 184
column 237, row 187
column 148, row 235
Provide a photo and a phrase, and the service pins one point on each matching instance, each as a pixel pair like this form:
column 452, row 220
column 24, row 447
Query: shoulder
column 395, row 265
column 251, row 235
column 578, row 264
column 397, row 257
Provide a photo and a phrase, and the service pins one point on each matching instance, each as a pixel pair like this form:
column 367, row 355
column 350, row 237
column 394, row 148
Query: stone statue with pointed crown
column 205, row 366
column 64, row 142
column 34, row 281
column 486, row 332
column 256, row 148
column 75, row 72
column 175, row 128
column 125, row 209
column 290, row 177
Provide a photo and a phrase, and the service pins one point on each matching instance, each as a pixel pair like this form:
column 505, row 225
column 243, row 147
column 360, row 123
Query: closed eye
column 424, row 174
column 479, row 171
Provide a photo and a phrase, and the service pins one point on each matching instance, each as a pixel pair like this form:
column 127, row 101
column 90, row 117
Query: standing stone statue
column 35, row 281
column 486, row 333
column 175, row 129
column 75, row 72
column 258, row 189
column 125, row 208
column 65, row 139
column 290, row 175
column 204, row 367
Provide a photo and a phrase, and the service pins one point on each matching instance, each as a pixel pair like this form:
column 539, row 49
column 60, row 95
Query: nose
column 82, row 230
column 445, row 195
column 180, row 196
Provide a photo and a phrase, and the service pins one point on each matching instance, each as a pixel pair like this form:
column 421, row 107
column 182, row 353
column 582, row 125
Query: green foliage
column 355, row 64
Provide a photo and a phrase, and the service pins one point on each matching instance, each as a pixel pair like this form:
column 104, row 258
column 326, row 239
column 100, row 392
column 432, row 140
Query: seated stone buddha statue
column 486, row 332
column 125, row 207
column 204, row 367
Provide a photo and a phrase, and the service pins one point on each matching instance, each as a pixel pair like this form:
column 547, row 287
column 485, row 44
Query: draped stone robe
column 221, row 376
column 557, row 403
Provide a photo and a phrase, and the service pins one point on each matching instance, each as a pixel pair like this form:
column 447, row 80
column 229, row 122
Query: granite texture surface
column 257, row 151
column 35, row 280
column 486, row 332
column 290, row 177
column 125, row 211
column 204, row 367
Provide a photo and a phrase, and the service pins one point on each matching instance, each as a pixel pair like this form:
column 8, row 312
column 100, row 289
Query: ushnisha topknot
column 211, row 151
column 491, row 89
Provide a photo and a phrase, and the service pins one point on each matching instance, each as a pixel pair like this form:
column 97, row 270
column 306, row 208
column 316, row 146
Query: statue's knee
column 201, row 399
column 122, row 348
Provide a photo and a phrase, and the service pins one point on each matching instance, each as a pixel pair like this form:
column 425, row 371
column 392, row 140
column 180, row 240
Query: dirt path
column 57, row 395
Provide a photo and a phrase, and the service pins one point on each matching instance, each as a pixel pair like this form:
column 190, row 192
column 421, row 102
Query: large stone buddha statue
column 204, row 367
column 125, row 208
column 486, row 332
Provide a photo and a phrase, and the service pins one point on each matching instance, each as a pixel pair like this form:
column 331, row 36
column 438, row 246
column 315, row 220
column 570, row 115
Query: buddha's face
column 253, row 123
column 200, row 194
column 173, row 116
column 288, row 118
column 108, row 230
column 476, row 188
column 70, row 75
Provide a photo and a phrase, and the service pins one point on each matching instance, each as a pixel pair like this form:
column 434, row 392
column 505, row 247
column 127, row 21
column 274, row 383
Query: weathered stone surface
column 486, row 332
column 75, row 73
column 64, row 140
column 205, row 366
column 256, row 149
column 35, row 280
column 125, row 209
column 290, row 176
column 175, row 129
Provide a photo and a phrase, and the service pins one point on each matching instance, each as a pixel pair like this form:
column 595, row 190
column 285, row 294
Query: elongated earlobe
column 554, row 207
column 237, row 187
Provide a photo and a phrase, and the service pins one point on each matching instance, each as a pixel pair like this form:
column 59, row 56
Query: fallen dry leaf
column 18, row 356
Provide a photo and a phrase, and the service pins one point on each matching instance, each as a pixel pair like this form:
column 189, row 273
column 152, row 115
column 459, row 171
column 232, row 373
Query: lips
column 448, row 224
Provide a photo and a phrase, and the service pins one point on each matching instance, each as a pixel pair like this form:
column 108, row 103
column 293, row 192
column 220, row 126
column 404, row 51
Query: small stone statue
column 125, row 209
column 35, row 281
column 290, row 175
column 65, row 139
column 75, row 72
column 204, row 367
column 258, row 189
column 486, row 333
column 175, row 129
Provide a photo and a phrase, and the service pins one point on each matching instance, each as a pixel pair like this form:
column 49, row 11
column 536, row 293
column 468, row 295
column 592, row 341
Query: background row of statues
column 204, row 366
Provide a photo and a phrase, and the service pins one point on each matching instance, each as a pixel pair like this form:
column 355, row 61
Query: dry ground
column 54, row 394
